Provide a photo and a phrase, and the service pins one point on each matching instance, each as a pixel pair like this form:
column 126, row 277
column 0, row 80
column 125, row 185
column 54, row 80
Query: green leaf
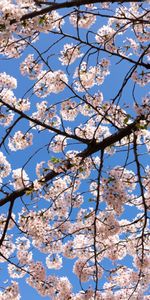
column 2, row 27
column 111, row 179
column 127, row 119
column 55, row 160
column 29, row 192
column 41, row 20
column 46, row 169
column 89, row 215
column 141, row 126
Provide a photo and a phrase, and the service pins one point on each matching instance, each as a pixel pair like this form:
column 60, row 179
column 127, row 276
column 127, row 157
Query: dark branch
column 91, row 149
column 66, row 4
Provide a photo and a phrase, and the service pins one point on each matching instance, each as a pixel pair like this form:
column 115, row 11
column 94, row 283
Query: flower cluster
column 22, row 104
column 105, row 37
column 69, row 110
column 119, row 182
column 47, row 22
column 15, row 272
column 50, row 82
column 72, row 208
column 58, row 144
column 8, row 97
column 143, row 109
column 54, row 261
column 131, row 44
column 91, row 104
column 11, row 11
column 52, row 286
column 11, row 292
column 46, row 115
column 7, row 248
column 20, row 141
column 3, row 219
column 30, row 67
column 82, row 20
column 7, row 81
column 20, row 179
column 88, row 77
column 69, row 54
column 142, row 32
column 84, row 271
column 90, row 131
column 113, row 113
column 5, row 167
column 11, row 43
column 5, row 117
column 24, row 257
column 141, row 78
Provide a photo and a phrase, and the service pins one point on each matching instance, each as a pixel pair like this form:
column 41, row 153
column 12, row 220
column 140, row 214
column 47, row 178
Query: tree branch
column 92, row 148
column 66, row 4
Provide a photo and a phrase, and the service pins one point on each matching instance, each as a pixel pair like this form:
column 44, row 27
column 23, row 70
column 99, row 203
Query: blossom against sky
column 74, row 179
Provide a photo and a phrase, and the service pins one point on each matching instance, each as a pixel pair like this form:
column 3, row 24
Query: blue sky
column 17, row 159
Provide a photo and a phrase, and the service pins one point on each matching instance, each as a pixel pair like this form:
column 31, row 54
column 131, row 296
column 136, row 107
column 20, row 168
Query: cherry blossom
column 5, row 167
column 83, row 20
column 7, row 248
column 69, row 54
column 20, row 178
column 7, row 81
column 11, row 291
column 6, row 118
column 50, row 82
column 69, row 110
column 46, row 115
column 30, row 67
column 20, row 141
column 88, row 77
column 142, row 78
column 3, row 219
column 105, row 36
column 54, row 261
column 58, row 144
column 15, row 272
column 75, row 201
column 24, row 257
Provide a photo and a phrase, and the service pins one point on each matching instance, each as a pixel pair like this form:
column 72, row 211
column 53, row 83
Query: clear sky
column 109, row 88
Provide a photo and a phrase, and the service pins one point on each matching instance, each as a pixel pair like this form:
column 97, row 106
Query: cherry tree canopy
column 74, row 173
